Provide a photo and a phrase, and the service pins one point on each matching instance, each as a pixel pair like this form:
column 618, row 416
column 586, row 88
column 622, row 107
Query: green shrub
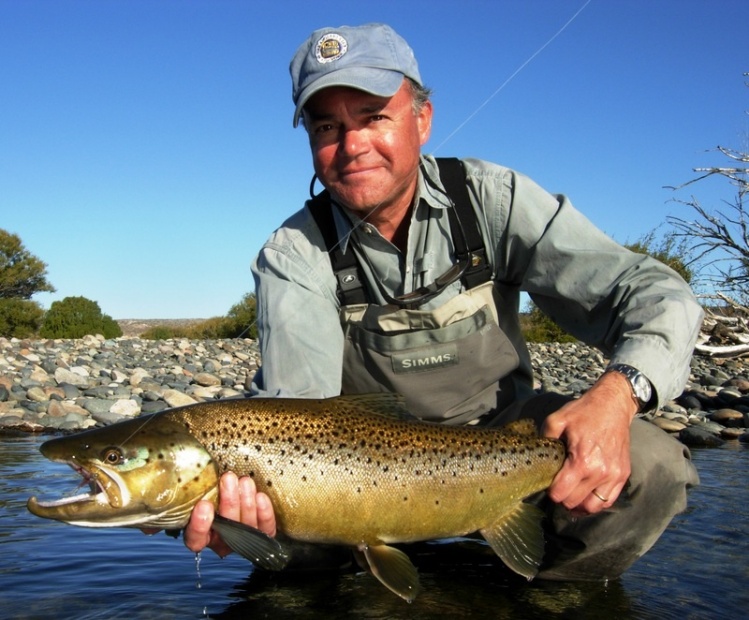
column 669, row 250
column 19, row 318
column 538, row 327
column 210, row 329
column 162, row 332
column 75, row 317
column 238, row 323
column 242, row 318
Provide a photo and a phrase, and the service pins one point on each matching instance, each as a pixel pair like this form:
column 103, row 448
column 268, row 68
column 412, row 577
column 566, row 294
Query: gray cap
column 373, row 58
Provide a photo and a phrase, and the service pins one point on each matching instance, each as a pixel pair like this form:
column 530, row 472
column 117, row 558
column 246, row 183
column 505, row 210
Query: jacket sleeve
column 632, row 307
column 299, row 329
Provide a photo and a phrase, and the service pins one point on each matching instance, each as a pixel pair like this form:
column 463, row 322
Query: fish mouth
column 106, row 492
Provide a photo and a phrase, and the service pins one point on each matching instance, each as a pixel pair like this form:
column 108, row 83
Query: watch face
column 640, row 385
column 642, row 388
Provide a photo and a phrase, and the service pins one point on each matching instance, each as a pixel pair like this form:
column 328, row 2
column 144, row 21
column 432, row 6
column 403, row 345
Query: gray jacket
column 633, row 308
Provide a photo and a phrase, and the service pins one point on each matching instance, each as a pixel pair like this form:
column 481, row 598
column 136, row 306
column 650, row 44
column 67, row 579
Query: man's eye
column 323, row 128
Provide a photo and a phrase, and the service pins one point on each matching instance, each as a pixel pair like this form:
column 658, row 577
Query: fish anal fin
column 392, row 568
column 518, row 539
column 252, row 544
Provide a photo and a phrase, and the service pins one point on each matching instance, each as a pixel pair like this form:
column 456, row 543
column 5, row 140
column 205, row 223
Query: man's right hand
column 238, row 501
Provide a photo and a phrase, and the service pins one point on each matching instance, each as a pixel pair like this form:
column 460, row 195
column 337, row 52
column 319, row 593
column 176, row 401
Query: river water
column 699, row 569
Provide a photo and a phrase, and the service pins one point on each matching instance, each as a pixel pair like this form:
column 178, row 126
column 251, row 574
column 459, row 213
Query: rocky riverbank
column 69, row 385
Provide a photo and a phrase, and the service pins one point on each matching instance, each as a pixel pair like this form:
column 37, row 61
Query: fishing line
column 509, row 79
column 468, row 119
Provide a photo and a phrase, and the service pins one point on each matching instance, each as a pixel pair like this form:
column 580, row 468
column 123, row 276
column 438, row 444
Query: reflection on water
column 699, row 568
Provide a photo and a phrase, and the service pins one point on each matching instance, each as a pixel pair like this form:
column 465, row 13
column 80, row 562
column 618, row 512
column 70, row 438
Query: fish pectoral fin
column 518, row 539
column 249, row 542
column 392, row 568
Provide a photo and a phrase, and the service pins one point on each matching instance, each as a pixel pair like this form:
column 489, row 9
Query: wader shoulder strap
column 470, row 244
column 351, row 287
column 466, row 235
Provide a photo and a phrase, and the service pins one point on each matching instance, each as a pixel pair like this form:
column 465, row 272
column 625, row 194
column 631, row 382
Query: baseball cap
column 373, row 58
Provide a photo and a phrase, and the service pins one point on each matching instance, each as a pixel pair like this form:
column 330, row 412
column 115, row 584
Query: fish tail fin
column 518, row 539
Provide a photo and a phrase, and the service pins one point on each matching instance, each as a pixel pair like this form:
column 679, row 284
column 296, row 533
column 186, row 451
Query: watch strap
column 642, row 389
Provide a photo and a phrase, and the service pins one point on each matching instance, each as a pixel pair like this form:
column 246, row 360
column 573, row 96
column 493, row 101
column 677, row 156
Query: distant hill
column 135, row 327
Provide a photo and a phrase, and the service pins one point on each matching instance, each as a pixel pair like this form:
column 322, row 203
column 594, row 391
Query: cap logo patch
column 330, row 47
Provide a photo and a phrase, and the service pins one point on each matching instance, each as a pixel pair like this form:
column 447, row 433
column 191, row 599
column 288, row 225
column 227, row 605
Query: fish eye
column 112, row 456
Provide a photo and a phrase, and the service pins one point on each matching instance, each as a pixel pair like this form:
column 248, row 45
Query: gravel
column 70, row 385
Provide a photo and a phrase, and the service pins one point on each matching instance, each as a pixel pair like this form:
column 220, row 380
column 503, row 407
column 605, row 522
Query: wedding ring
column 599, row 496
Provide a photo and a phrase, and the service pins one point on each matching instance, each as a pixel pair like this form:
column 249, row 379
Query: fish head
column 146, row 473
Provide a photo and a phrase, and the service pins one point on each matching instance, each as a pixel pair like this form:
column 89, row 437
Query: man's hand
column 595, row 428
column 239, row 501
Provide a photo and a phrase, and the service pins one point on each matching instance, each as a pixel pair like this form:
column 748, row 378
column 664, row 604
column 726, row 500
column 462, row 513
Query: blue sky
column 147, row 150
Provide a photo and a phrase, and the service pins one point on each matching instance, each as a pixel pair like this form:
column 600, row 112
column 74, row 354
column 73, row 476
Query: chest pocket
column 449, row 363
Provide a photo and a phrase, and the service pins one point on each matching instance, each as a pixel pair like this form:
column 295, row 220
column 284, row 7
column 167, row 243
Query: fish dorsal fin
column 524, row 428
column 383, row 403
column 252, row 544
column 392, row 568
column 518, row 539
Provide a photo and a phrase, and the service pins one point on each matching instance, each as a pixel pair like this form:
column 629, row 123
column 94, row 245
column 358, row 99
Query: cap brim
column 380, row 82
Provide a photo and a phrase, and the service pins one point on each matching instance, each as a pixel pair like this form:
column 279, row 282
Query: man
column 450, row 311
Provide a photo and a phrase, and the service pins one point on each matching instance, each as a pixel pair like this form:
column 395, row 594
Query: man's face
column 365, row 149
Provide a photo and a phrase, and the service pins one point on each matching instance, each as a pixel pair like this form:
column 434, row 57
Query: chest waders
column 452, row 363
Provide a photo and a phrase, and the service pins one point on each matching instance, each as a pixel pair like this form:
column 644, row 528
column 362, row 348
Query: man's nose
column 353, row 142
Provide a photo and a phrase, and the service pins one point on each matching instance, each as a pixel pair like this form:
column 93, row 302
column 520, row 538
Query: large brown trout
column 350, row 470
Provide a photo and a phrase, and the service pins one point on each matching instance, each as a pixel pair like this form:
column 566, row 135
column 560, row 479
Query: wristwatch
column 641, row 388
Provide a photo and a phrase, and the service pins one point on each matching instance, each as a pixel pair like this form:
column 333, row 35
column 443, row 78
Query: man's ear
column 424, row 122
